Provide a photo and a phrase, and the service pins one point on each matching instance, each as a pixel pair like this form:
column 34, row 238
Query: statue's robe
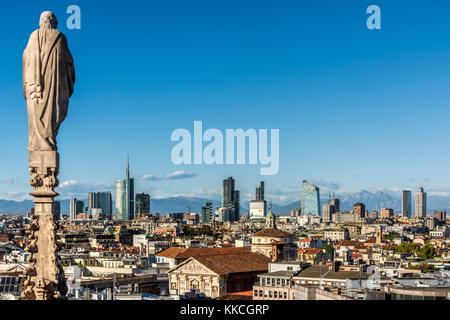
column 48, row 81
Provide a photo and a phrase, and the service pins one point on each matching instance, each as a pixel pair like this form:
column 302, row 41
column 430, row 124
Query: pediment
column 192, row 267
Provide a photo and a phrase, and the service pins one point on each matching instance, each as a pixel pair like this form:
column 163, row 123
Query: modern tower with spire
column 125, row 196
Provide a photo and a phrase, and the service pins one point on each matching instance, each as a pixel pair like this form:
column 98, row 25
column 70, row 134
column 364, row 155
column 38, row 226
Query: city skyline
column 366, row 75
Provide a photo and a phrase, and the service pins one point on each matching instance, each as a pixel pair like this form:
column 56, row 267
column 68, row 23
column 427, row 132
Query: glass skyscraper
column 142, row 204
column 125, row 197
column 310, row 199
column 230, row 201
column 406, row 203
column 100, row 200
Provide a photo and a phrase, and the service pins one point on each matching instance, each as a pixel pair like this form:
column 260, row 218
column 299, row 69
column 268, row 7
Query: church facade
column 277, row 245
column 218, row 274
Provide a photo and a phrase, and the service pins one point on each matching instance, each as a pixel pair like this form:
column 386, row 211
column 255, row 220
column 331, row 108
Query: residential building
column 386, row 213
column 142, row 204
column 207, row 213
column 359, row 209
column 421, row 204
column 336, row 235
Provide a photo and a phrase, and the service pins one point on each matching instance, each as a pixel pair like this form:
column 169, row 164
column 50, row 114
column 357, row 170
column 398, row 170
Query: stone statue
column 48, row 80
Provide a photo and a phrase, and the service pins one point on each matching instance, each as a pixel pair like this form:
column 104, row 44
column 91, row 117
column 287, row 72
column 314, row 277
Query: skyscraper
column 258, row 207
column 207, row 213
column 142, row 204
column 56, row 210
column 230, row 201
column 125, row 197
column 310, row 199
column 260, row 192
column 100, row 200
column 76, row 207
column 327, row 212
column 421, row 203
column 335, row 203
column 406, row 203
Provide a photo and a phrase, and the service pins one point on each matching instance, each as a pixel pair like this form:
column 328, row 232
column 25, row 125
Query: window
column 285, row 295
column 260, row 293
column 290, row 268
column 270, row 294
column 255, row 293
column 278, row 282
column 275, row 294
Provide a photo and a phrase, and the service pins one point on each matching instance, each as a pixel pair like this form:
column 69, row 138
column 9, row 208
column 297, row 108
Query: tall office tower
column 100, row 200
column 258, row 207
column 207, row 213
column 105, row 203
column 142, row 204
column 230, row 201
column 56, row 210
column 92, row 200
column 125, row 197
column 260, row 192
column 421, row 203
column 76, row 207
column 328, row 210
column 335, row 203
column 310, row 199
column 359, row 209
column 406, row 203
column 72, row 209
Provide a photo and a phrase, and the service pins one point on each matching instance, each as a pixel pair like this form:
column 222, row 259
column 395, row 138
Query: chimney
column 334, row 266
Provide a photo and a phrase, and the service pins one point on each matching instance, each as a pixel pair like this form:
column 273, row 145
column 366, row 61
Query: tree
column 427, row 251
column 406, row 247
column 329, row 248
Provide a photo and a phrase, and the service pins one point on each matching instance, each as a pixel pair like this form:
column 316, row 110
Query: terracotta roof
column 304, row 240
column 235, row 263
column 309, row 251
column 350, row 243
column 244, row 295
column 185, row 253
column 271, row 232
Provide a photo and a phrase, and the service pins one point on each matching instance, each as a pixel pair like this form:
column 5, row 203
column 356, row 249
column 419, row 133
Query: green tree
column 329, row 248
column 406, row 247
column 427, row 251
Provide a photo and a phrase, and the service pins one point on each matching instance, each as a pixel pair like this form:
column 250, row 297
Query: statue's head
column 48, row 20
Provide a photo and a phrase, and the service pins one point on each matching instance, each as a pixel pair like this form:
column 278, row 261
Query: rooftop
column 272, row 232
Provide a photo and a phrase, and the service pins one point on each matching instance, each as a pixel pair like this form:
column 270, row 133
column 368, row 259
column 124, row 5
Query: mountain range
column 372, row 200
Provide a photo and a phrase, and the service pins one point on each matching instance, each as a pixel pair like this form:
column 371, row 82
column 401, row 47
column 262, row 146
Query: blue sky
column 356, row 108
